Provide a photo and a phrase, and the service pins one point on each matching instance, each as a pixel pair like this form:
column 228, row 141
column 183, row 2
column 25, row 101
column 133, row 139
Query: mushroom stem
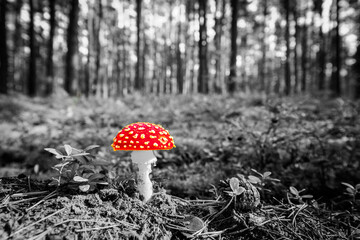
column 144, row 159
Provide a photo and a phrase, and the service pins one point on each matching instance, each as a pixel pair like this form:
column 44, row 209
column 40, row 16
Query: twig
column 23, row 200
column 28, row 194
column 97, row 228
column 297, row 212
column 110, row 236
column 29, row 183
column 158, row 215
column 41, row 235
column 42, row 200
column 80, row 220
column 221, row 211
column 134, row 226
column 83, row 225
column 5, row 200
column 22, row 229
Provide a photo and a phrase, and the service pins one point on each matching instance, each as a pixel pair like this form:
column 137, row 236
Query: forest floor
column 301, row 154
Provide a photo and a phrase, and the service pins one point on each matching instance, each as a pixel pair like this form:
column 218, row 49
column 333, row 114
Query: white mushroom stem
column 144, row 159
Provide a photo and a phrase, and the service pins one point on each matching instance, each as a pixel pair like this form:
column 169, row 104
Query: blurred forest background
column 110, row 48
column 245, row 87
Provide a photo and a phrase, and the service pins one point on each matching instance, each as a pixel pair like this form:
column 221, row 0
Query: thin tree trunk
column 3, row 48
column 138, row 74
column 17, row 55
column 50, row 50
column 233, row 52
column 169, row 52
column 203, row 51
column 97, row 24
column 71, row 58
column 89, row 64
column 304, row 52
column 125, row 69
column 155, row 71
column 335, row 86
column 296, row 64
column 219, row 23
column 287, row 39
column 356, row 66
column 179, row 60
column 31, row 84
column 144, row 51
column 189, row 51
column 119, row 78
column 262, row 70
column 246, row 84
column 321, row 52
column 321, row 61
column 356, row 69
column 165, row 53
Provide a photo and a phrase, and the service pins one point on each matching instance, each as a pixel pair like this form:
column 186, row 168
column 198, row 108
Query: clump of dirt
column 103, row 215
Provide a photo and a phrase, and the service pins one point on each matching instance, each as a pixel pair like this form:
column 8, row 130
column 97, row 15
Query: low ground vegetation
column 60, row 176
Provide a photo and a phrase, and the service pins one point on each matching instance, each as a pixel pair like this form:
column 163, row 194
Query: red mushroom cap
column 143, row 136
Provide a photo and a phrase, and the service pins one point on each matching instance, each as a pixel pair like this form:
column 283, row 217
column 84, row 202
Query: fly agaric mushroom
column 142, row 138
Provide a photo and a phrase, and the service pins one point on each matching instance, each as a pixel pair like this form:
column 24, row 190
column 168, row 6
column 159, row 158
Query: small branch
column 28, row 194
column 53, row 193
column 22, row 229
column 97, row 228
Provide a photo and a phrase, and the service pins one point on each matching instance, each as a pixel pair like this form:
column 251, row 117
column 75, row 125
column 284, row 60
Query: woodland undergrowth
column 301, row 153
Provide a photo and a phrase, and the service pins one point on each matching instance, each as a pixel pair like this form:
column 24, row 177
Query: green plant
column 352, row 191
column 236, row 189
column 296, row 195
column 262, row 181
column 76, row 169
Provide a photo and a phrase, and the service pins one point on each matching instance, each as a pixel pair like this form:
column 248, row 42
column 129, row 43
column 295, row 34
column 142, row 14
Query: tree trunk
column 31, row 84
column 90, row 27
column 203, row 51
column 356, row 69
column 287, row 39
column 304, row 52
column 17, row 55
column 145, row 49
column 219, row 23
column 126, row 73
column 169, row 52
column 335, row 86
column 296, row 67
column 189, row 50
column 262, row 65
column 155, row 71
column 138, row 74
column 233, row 52
column 97, row 24
column 50, row 50
column 179, row 60
column 356, row 66
column 165, row 56
column 72, row 42
column 3, row 48
column 321, row 53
